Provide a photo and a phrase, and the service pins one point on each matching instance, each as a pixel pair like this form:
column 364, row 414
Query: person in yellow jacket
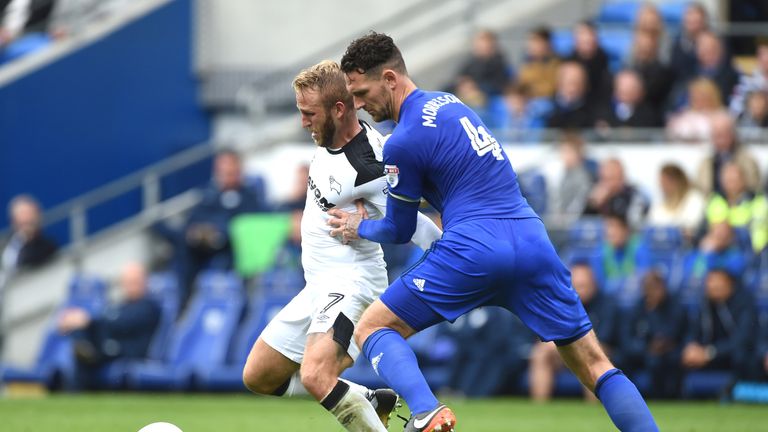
column 740, row 207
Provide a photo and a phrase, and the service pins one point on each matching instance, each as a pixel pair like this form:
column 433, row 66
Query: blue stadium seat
column 164, row 289
column 618, row 12
column 562, row 42
column 706, row 384
column 617, row 44
column 55, row 365
column 24, row 45
column 264, row 306
column 662, row 249
column 585, row 238
column 673, row 11
column 201, row 340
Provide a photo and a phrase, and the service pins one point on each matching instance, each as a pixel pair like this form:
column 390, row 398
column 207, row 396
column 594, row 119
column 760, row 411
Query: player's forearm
column 397, row 226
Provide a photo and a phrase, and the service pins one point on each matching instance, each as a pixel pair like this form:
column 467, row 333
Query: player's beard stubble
column 326, row 132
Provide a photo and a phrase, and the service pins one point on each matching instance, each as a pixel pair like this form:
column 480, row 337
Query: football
column 160, row 427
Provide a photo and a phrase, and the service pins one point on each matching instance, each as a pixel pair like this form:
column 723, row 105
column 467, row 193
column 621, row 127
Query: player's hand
column 344, row 224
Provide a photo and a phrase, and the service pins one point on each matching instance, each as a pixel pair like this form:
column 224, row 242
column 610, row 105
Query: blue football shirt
column 442, row 151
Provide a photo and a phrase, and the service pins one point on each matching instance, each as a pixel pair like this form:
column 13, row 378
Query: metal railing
column 147, row 179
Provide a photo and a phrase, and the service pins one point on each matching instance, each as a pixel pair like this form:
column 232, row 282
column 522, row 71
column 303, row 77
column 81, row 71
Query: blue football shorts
column 501, row 262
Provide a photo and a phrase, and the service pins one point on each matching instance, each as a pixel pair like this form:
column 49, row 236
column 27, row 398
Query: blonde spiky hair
column 327, row 78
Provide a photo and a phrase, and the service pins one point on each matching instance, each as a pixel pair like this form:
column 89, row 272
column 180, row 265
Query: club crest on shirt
column 392, row 173
column 335, row 186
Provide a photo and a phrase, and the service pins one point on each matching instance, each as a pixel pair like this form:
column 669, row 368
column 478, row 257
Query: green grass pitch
column 240, row 413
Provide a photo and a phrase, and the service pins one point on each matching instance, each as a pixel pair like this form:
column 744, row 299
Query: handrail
column 129, row 182
column 147, row 178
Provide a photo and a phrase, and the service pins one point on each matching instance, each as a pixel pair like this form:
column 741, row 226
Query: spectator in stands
column 627, row 109
column 722, row 330
column 726, row 149
column 612, row 195
column 471, row 93
column 657, row 77
column 756, row 82
column 572, row 109
column 652, row 335
column 683, row 59
column 649, row 21
column 569, row 196
column 754, row 120
column 545, row 363
column 739, row 206
column 487, row 67
column 26, row 246
column 694, row 122
column 718, row 249
column 540, row 68
column 521, row 118
column 205, row 238
column 681, row 205
column 618, row 257
column 715, row 64
column 124, row 331
column 593, row 58
column 19, row 17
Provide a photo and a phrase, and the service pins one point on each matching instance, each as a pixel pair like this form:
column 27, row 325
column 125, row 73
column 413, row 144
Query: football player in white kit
column 313, row 333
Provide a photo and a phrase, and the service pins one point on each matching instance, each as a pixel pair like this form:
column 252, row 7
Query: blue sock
column 624, row 403
column 394, row 361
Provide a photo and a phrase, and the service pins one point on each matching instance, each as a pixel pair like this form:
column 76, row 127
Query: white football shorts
column 319, row 307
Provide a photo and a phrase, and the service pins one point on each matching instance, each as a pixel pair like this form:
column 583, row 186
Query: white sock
column 355, row 387
column 352, row 409
column 295, row 387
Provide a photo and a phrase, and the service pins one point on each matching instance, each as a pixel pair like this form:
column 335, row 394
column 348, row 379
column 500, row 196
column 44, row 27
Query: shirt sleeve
column 403, row 172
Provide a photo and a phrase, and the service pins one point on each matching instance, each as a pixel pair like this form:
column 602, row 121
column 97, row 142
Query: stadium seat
column 617, row 43
column 264, row 306
column 706, row 384
column 24, row 45
column 562, row 42
column 55, row 365
column 164, row 289
column 662, row 249
column 672, row 11
column 201, row 340
column 618, row 12
column 585, row 238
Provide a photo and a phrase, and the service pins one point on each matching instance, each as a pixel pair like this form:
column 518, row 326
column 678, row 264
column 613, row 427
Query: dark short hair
column 372, row 52
column 542, row 32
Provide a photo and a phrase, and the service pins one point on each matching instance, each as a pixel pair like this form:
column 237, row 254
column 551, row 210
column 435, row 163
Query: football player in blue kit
column 494, row 249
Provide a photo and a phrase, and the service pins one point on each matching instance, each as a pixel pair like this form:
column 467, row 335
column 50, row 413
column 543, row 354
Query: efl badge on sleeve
column 392, row 174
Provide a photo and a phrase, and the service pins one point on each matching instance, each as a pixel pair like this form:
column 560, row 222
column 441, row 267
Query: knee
column 256, row 382
column 362, row 331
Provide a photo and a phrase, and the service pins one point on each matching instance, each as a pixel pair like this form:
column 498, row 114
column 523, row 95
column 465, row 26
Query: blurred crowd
column 672, row 79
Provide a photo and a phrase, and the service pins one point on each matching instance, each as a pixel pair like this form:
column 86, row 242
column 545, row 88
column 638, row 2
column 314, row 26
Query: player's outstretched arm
column 397, row 226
